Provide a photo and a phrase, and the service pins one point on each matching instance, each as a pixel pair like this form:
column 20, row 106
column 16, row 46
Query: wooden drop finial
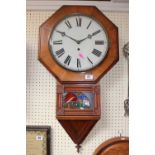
column 78, row 146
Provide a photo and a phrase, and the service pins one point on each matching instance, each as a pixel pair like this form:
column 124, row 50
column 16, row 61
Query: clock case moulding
column 63, row 75
column 77, row 123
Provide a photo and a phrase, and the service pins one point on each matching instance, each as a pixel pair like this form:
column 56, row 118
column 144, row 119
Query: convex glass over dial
column 78, row 43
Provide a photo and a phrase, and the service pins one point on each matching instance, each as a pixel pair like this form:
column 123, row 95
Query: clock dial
column 78, row 43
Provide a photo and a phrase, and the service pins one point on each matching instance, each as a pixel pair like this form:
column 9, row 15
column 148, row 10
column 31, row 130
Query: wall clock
column 78, row 45
column 87, row 40
column 113, row 146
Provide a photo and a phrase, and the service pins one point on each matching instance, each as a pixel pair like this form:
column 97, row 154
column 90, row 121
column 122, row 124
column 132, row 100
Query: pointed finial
column 78, row 146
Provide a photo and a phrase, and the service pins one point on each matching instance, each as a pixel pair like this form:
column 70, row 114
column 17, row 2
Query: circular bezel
column 91, row 17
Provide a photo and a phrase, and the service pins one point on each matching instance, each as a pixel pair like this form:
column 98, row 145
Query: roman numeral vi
column 78, row 63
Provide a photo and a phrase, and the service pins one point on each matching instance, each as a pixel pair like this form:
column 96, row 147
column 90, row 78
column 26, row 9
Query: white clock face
column 78, row 43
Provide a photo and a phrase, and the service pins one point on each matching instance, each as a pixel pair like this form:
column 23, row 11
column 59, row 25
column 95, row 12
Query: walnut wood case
column 66, row 76
column 78, row 123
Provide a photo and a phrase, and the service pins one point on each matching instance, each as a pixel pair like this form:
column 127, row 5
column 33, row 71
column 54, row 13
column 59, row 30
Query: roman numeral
column 67, row 60
column 97, row 52
column 60, row 52
column 68, row 24
column 90, row 60
column 99, row 42
column 89, row 24
column 57, row 42
column 96, row 32
column 78, row 63
column 78, row 21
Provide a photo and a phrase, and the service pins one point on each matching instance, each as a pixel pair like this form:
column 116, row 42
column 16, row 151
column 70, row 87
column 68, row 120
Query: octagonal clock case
column 78, row 45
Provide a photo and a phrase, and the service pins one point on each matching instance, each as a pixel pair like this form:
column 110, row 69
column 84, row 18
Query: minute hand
column 64, row 34
column 72, row 39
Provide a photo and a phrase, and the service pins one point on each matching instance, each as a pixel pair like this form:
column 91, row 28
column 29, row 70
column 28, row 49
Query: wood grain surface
column 114, row 146
column 66, row 76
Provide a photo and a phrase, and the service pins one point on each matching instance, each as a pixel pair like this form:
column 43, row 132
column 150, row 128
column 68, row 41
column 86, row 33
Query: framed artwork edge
column 42, row 128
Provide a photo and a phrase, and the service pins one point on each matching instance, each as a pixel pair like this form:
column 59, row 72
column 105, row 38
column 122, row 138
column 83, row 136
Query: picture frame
column 38, row 140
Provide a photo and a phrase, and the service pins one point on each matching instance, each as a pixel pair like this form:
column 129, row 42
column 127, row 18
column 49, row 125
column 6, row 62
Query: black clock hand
column 64, row 34
column 72, row 39
column 96, row 32
column 79, row 41
column 89, row 36
column 93, row 34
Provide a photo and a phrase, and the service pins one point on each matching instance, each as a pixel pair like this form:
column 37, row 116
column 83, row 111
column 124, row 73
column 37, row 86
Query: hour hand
column 93, row 34
column 79, row 41
column 96, row 32
column 90, row 36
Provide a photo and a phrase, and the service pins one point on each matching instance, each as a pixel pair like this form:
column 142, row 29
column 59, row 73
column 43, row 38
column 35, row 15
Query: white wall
column 41, row 91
